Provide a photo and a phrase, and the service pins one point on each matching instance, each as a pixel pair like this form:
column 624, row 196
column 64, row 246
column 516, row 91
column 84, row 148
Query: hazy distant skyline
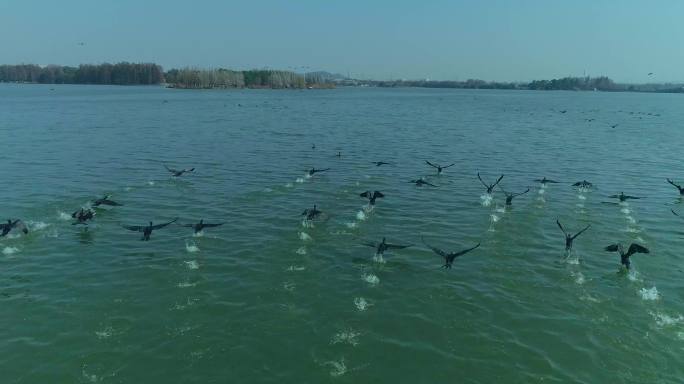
column 439, row 40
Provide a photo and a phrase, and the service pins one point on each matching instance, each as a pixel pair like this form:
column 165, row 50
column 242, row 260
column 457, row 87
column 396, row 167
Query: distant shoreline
column 189, row 78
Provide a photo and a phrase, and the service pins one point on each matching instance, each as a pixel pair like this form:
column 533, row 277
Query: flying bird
column 382, row 246
column 448, row 256
column 624, row 257
column 311, row 213
column 421, row 182
column 510, row 196
column 313, row 171
column 371, row 196
column 490, row 188
column 178, row 173
column 544, row 180
column 583, row 184
column 439, row 167
column 379, row 163
column 198, row 227
column 105, row 201
column 82, row 216
column 569, row 238
column 147, row 229
column 622, row 197
column 7, row 227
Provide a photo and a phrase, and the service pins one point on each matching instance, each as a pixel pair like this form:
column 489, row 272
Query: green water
column 266, row 298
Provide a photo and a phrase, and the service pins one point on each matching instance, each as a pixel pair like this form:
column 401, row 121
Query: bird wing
column 136, row 228
column 365, row 194
column 632, row 197
column 551, row 181
column 370, row 244
column 430, row 164
column 482, row 181
column 463, row 252
column 636, row 248
column 396, row 246
column 212, row 225
column 521, row 193
column 434, row 249
column 580, row 232
column 75, row 214
column 170, row 169
column 306, row 211
column 432, row 185
column 377, row 194
column 450, row 165
column 674, row 213
column 109, row 202
column 498, row 180
column 612, row 248
column 560, row 226
column 614, row 196
column 159, row 226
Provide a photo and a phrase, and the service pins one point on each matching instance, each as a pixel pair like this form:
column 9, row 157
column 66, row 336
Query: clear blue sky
column 441, row 39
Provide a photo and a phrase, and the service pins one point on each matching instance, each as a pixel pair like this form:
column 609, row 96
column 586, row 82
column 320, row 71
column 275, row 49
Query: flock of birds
column 85, row 214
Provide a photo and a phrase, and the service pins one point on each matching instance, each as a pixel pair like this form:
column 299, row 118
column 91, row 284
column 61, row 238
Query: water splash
column 295, row 268
column 378, row 258
column 361, row 215
column 289, row 185
column 307, row 223
column 664, row 320
column 10, row 250
column 198, row 234
column 150, row 183
column 339, row 368
column 649, row 294
column 63, row 215
column 191, row 247
column 105, row 333
column 351, row 225
column 299, row 180
column 486, row 199
column 37, row 225
column 301, row 251
column 348, row 336
column 192, row 264
column 361, row 303
column 304, row 236
column 370, row 278
column 185, row 284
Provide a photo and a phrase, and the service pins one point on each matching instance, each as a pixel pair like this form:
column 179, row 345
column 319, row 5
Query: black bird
column 339, row 154
column 674, row 213
column 510, row 196
column 681, row 190
column 421, row 182
column 563, row 111
column 614, row 125
column 490, row 188
column 105, row 201
column 82, row 216
column 382, row 246
column 314, row 170
column 7, row 227
column 624, row 257
column 311, row 213
column 147, row 229
column 623, row 197
column 448, row 256
column 371, row 196
column 439, row 167
column 201, row 225
column 569, row 237
column 313, row 146
column 379, row 163
column 177, row 173
column 544, row 180
column 583, row 184
column 650, row 73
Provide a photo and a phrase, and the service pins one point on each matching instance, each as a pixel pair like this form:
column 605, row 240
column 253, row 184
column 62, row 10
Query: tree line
column 117, row 74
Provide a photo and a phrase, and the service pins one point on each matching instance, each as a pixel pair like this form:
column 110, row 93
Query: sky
column 491, row 40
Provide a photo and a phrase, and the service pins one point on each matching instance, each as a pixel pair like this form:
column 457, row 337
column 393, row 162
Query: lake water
column 269, row 298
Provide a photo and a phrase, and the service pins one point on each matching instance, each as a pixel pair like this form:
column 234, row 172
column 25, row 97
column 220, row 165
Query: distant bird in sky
column 650, row 73
column 147, row 229
column 624, row 256
column 379, row 163
column 439, row 167
column 198, row 227
column 614, row 125
column 681, row 190
column 178, row 173
column 448, row 256
column 569, row 238
column 371, row 196
column 382, row 246
column 490, row 188
column 7, row 227
column 105, row 201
